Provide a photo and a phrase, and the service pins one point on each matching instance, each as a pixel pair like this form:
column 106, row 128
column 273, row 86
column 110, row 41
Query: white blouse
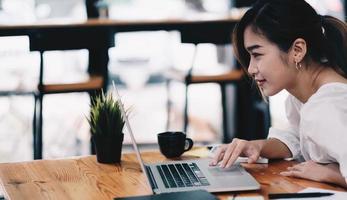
column 318, row 129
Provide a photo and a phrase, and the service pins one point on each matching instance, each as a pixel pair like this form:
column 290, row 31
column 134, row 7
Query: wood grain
column 85, row 178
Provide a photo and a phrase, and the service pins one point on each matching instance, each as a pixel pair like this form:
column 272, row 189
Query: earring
column 298, row 65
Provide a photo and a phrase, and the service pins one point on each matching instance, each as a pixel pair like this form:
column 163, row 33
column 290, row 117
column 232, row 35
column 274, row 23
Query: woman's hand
column 311, row 170
column 228, row 153
column 307, row 170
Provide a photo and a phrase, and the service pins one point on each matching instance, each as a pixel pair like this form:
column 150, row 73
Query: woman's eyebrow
column 251, row 48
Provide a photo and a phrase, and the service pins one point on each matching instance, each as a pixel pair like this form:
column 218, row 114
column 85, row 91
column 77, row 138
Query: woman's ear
column 299, row 50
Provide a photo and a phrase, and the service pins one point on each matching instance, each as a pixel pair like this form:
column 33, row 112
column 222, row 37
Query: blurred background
column 137, row 64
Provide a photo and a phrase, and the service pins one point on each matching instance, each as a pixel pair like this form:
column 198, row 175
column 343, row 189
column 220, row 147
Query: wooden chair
column 96, row 81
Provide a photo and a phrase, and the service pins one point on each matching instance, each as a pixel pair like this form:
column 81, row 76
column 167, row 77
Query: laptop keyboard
column 182, row 175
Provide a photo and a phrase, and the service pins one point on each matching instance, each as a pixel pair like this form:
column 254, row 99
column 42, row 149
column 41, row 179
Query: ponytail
column 335, row 48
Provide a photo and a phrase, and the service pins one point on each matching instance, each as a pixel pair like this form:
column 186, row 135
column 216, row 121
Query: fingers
column 235, row 152
column 294, row 168
column 253, row 158
column 294, row 171
column 298, row 167
column 219, row 155
column 297, row 174
column 307, row 170
column 228, row 154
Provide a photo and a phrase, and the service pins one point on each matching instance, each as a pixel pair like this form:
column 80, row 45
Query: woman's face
column 267, row 64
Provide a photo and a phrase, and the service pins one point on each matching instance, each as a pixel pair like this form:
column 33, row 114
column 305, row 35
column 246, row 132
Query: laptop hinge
column 151, row 178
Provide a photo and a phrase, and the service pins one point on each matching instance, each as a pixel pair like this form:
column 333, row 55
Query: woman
column 285, row 44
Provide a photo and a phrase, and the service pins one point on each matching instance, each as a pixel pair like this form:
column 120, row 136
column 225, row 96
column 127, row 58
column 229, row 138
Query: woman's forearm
column 335, row 176
column 273, row 148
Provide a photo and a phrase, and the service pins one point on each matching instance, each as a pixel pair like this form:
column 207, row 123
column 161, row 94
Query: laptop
column 187, row 175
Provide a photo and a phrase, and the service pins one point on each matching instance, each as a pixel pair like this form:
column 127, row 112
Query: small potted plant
column 106, row 123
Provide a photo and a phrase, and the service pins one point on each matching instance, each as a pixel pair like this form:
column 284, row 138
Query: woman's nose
column 252, row 69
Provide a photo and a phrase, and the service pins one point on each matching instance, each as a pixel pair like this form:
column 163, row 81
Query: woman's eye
column 255, row 55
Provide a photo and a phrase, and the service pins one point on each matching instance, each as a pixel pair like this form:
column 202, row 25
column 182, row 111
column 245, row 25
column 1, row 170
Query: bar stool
column 93, row 85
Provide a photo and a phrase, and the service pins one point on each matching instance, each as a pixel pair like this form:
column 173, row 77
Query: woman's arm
column 273, row 148
column 335, row 175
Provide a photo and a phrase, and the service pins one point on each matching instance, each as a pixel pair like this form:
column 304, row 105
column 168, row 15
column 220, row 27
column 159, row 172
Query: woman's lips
column 261, row 82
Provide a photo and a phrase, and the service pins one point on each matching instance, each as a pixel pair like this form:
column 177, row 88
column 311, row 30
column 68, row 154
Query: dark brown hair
column 283, row 21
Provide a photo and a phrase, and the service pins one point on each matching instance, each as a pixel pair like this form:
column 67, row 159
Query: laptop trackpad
column 232, row 171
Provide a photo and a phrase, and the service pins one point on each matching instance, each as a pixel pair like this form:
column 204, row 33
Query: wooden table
column 84, row 178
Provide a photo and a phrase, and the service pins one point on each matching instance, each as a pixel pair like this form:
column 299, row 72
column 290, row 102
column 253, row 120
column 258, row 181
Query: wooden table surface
column 84, row 178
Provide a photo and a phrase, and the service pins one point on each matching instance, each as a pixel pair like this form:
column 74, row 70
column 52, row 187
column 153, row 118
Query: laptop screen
column 133, row 141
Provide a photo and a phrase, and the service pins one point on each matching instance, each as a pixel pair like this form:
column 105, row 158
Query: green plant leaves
column 105, row 115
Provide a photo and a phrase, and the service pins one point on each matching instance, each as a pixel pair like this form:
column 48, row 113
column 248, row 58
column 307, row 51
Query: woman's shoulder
column 330, row 98
column 330, row 92
column 325, row 112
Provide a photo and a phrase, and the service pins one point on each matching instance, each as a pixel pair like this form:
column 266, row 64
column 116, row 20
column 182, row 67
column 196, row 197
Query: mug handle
column 188, row 145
